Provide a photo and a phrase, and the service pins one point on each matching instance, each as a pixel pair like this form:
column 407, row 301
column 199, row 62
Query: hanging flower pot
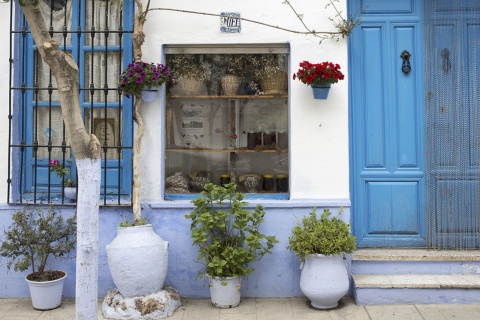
column 320, row 92
column 149, row 95
column 319, row 76
column 141, row 76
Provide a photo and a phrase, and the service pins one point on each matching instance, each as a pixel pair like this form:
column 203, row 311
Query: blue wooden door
column 386, row 124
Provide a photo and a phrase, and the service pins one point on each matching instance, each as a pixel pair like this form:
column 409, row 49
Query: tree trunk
column 86, row 149
column 138, row 37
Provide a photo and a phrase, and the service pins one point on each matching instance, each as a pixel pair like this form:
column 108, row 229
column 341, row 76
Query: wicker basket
column 189, row 86
column 277, row 83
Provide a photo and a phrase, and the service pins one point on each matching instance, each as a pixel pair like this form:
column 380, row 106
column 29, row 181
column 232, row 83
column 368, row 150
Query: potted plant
column 319, row 76
column 62, row 172
column 320, row 243
column 269, row 70
column 140, row 77
column 229, row 239
column 32, row 237
column 234, row 65
column 188, row 73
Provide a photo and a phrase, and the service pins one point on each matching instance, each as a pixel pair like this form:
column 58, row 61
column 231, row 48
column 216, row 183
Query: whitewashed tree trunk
column 86, row 149
column 86, row 291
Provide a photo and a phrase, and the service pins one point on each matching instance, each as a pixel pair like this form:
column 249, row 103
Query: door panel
column 452, row 123
column 387, row 125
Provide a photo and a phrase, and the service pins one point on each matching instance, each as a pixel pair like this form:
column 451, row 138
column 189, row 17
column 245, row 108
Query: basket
column 277, row 83
column 189, row 86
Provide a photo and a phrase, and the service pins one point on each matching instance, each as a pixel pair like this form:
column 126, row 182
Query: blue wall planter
column 320, row 92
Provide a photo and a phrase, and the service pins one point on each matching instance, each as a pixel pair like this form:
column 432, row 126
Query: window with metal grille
column 97, row 34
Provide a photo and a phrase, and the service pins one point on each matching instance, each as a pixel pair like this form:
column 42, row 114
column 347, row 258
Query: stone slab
column 158, row 305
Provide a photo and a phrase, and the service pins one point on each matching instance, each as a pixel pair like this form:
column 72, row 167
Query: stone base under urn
column 157, row 305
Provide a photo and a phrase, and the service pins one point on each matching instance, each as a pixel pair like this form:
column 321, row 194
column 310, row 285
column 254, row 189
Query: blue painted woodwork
column 452, row 114
column 35, row 171
column 386, row 122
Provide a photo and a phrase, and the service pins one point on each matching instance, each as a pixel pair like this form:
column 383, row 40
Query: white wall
column 4, row 70
column 319, row 128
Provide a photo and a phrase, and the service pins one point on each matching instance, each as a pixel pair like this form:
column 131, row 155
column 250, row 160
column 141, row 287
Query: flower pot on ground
column 228, row 236
column 321, row 243
column 225, row 292
column 32, row 237
column 138, row 260
column 319, row 75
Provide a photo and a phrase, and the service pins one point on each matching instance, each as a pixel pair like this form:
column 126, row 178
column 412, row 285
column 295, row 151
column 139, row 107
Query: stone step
column 374, row 289
column 418, row 276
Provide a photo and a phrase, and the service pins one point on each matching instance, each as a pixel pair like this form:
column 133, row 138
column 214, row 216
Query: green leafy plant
column 228, row 235
column 33, row 236
column 324, row 235
column 62, row 172
column 127, row 223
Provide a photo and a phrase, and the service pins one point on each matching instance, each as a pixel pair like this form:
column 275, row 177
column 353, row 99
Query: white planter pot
column 149, row 95
column 46, row 295
column 324, row 280
column 70, row 193
column 225, row 292
column 138, row 261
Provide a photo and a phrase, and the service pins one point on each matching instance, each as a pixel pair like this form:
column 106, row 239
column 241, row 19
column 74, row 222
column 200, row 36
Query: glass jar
column 224, row 179
column 268, row 183
column 282, row 141
column 282, row 183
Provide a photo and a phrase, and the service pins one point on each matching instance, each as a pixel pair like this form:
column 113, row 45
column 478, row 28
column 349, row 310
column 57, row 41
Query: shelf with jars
column 218, row 135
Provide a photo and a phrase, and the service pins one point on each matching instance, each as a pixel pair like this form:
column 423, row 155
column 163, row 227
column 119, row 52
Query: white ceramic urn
column 324, row 280
column 138, row 261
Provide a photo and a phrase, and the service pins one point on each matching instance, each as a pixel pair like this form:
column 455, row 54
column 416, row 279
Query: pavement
column 263, row 309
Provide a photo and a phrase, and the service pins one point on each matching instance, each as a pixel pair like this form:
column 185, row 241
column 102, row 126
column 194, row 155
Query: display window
column 226, row 120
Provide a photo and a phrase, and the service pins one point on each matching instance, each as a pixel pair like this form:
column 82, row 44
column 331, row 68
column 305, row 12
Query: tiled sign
column 230, row 22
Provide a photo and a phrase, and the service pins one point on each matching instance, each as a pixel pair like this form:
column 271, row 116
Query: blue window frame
column 97, row 34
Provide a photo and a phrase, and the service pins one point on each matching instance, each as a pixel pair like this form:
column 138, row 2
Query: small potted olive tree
column 320, row 243
column 229, row 239
column 32, row 237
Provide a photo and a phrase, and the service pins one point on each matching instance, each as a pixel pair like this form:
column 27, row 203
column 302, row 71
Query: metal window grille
column 97, row 34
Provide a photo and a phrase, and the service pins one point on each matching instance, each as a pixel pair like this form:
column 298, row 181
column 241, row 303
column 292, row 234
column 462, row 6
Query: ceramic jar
column 138, row 261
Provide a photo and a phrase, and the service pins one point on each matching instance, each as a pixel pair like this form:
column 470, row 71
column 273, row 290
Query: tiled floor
column 262, row 309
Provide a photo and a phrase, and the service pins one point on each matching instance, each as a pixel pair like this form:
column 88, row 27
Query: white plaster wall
column 4, row 70
column 319, row 128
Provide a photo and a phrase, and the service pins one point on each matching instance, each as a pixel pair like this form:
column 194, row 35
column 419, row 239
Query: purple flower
column 139, row 80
